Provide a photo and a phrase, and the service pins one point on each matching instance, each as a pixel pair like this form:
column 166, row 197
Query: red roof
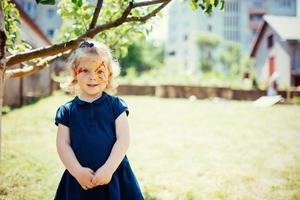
column 258, row 39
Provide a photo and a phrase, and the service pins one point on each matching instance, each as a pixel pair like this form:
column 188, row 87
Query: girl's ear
column 74, row 81
column 109, row 78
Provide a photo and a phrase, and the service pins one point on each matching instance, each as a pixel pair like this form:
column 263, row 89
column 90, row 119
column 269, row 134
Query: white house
column 277, row 49
column 19, row 90
column 238, row 22
column 44, row 16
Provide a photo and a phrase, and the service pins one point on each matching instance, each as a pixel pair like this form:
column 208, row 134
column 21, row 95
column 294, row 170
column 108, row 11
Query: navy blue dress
column 93, row 134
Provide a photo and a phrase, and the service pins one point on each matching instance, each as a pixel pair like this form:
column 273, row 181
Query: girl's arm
column 65, row 151
column 121, row 145
column 83, row 175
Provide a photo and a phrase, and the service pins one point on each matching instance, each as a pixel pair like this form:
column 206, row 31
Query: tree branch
column 109, row 25
column 124, row 17
column 2, row 33
column 29, row 70
column 148, row 16
column 96, row 14
column 65, row 46
column 41, row 52
column 147, row 3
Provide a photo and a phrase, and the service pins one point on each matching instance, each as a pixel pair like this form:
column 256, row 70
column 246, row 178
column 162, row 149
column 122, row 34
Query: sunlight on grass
column 180, row 150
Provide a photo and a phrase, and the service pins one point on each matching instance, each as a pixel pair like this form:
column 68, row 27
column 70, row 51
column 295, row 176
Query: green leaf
column 47, row 2
column 208, row 9
column 216, row 2
column 193, row 4
column 222, row 5
column 202, row 6
column 77, row 2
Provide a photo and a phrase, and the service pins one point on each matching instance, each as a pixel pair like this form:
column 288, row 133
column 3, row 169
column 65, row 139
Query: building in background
column 277, row 50
column 239, row 22
column 258, row 8
column 38, row 25
column 44, row 16
column 21, row 90
column 298, row 8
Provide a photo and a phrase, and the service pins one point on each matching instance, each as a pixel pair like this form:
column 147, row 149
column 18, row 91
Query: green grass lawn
column 179, row 150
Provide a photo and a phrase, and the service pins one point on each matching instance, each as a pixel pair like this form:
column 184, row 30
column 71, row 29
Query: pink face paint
column 78, row 70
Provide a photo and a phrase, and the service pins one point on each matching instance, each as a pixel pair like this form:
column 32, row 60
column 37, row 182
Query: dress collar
column 96, row 101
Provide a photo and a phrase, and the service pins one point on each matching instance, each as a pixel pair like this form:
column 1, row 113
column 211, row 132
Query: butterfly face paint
column 78, row 70
column 98, row 70
column 101, row 72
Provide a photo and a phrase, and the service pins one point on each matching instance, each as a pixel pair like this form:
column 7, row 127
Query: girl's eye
column 100, row 71
column 85, row 70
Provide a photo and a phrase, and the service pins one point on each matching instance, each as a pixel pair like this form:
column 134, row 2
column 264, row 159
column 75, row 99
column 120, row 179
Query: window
column 209, row 28
column 185, row 37
column 29, row 8
column 228, row 6
column 50, row 33
column 237, row 36
column 238, row 22
column 51, row 13
column 172, row 53
column 235, row 6
column 232, row 6
column 284, row 3
column 270, row 41
column 256, row 17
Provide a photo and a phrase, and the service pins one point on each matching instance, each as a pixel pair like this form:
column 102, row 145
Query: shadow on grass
column 29, row 101
column 149, row 196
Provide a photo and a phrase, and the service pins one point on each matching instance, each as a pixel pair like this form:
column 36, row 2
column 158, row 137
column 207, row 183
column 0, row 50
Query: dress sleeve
column 119, row 107
column 62, row 116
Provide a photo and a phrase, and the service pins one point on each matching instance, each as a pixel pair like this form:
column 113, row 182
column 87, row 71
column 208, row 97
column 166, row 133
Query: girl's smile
column 92, row 85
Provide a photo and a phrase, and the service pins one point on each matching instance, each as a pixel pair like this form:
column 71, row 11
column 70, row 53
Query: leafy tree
column 207, row 44
column 234, row 61
column 230, row 57
column 142, row 56
column 125, row 19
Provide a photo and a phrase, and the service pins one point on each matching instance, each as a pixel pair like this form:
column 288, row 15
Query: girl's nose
column 92, row 76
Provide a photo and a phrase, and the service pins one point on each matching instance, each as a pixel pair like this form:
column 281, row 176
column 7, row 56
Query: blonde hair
column 88, row 48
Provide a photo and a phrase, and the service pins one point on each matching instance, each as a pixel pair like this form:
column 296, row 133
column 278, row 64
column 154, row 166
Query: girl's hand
column 84, row 176
column 102, row 176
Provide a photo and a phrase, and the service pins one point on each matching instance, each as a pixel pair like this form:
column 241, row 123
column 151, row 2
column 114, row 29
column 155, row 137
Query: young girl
column 93, row 132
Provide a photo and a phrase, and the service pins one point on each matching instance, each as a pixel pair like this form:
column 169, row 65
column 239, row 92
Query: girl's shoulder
column 113, row 97
column 67, row 105
column 116, row 100
column 63, row 113
column 118, row 105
